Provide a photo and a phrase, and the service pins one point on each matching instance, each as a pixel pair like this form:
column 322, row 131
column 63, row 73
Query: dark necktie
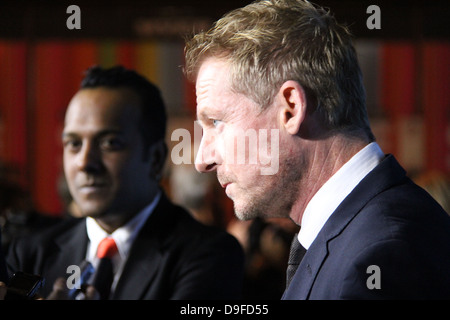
column 295, row 257
column 104, row 275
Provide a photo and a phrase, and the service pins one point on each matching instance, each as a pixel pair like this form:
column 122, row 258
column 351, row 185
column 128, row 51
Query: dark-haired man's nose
column 89, row 158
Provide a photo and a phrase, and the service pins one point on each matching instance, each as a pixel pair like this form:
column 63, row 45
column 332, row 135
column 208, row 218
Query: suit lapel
column 139, row 269
column 385, row 175
column 303, row 279
column 145, row 255
column 71, row 246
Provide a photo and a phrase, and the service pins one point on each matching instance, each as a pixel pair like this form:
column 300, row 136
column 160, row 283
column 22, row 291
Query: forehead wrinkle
column 212, row 89
column 203, row 90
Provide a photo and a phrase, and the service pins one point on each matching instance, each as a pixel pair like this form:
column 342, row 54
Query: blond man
column 289, row 68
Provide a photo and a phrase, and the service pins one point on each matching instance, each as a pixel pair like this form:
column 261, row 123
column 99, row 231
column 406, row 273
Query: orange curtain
column 436, row 101
column 58, row 69
column 13, row 107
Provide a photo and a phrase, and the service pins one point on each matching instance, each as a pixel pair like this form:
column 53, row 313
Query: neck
column 325, row 158
column 111, row 221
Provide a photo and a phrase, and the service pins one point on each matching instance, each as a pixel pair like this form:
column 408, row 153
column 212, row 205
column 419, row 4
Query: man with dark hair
column 140, row 245
column 152, row 106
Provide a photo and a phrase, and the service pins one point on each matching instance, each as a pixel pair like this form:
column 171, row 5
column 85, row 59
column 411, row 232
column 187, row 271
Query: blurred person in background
column 266, row 245
column 18, row 217
column 437, row 184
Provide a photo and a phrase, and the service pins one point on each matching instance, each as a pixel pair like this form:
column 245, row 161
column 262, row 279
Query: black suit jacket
column 386, row 221
column 3, row 273
column 173, row 257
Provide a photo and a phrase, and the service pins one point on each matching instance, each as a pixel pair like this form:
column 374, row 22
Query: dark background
column 117, row 18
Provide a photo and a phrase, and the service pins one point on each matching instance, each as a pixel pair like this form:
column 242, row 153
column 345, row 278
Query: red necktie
column 104, row 274
column 107, row 248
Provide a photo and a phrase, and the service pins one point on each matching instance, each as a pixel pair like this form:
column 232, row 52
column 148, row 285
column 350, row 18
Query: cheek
column 247, row 176
column 117, row 167
column 128, row 172
column 69, row 170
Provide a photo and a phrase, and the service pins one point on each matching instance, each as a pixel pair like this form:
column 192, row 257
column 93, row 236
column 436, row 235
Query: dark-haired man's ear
column 158, row 154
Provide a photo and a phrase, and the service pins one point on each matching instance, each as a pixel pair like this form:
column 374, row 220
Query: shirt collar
column 123, row 236
column 335, row 190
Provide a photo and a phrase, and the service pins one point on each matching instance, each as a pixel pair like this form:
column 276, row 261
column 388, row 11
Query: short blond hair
column 270, row 42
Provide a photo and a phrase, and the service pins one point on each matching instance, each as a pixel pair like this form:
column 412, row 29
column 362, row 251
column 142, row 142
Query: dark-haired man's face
column 104, row 155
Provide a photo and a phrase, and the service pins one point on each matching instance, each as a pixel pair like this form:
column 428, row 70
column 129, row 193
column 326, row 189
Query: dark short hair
column 153, row 112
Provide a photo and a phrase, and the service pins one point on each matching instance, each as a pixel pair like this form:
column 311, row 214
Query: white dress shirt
column 335, row 190
column 123, row 236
